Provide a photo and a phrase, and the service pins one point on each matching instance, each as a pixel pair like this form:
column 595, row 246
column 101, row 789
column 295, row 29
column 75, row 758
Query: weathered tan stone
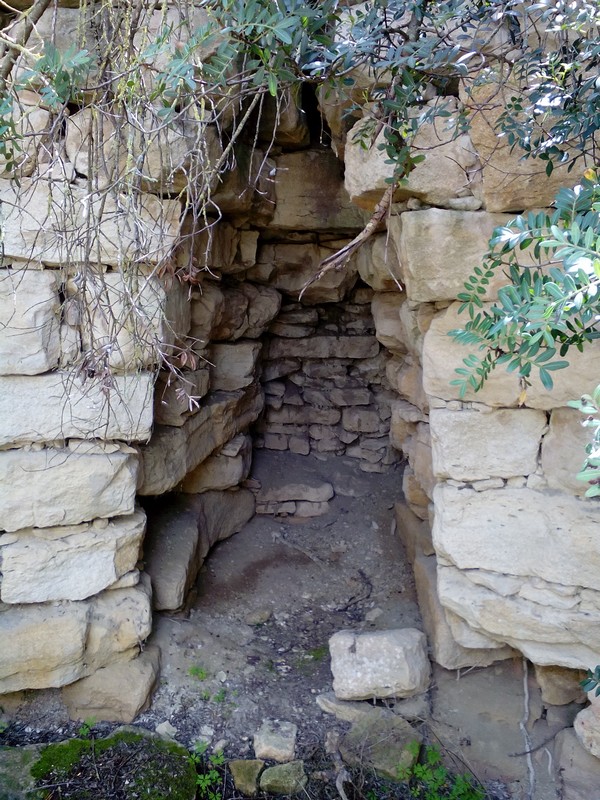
column 31, row 122
column 245, row 774
column 415, row 320
column 247, row 310
column 68, row 27
column 162, row 157
column 414, row 494
column 68, row 563
column 383, row 745
column 510, row 182
column 442, row 355
column 288, row 267
column 236, row 191
column 413, row 532
column 445, row 650
column 131, row 317
column 560, row 533
column 287, row 779
column 66, row 486
column 405, row 377
column 575, row 769
column 38, row 212
column 560, row 686
column 120, row 621
column 46, row 645
column 367, row 172
column 53, row 644
column 420, row 458
column 276, row 739
column 173, row 452
column 226, row 468
column 587, row 730
column 282, row 492
column 306, row 509
column 403, row 423
column 310, row 194
column 177, row 397
column 207, row 308
column 116, row 693
column 29, row 322
column 181, row 533
column 472, row 445
column 363, row 420
column 233, row 366
column 390, row 663
column 71, row 409
column 389, row 331
column 378, row 264
column 283, row 122
column 324, row 347
column 439, row 249
column 546, row 635
column 563, row 450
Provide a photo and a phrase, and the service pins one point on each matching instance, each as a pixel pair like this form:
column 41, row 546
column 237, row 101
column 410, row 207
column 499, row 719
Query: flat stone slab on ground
column 276, row 739
column 284, row 778
column 245, row 774
column 382, row 744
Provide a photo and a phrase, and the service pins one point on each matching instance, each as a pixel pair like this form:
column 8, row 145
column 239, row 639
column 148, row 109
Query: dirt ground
column 252, row 642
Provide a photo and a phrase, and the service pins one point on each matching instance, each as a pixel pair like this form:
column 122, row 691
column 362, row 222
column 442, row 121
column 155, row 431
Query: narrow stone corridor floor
column 252, row 644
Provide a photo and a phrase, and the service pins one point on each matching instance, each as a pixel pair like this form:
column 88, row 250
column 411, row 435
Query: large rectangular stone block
column 52, row 644
column 70, row 409
column 439, row 249
column 66, row 486
column 37, row 214
column 519, row 532
column 442, row 355
column 310, row 194
column 472, row 445
column 29, row 322
column 68, row 562
column 128, row 319
column 324, row 347
column 443, row 178
column 288, row 267
column 445, row 650
column 233, row 366
column 563, row 450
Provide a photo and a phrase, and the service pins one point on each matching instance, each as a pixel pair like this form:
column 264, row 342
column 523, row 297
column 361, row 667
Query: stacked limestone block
column 72, row 598
column 81, row 334
column 513, row 558
column 324, row 381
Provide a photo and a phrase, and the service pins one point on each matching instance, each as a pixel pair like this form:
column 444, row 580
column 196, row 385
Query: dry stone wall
column 512, row 537
column 361, row 368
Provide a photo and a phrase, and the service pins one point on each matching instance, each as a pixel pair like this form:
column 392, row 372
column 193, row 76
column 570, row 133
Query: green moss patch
column 125, row 766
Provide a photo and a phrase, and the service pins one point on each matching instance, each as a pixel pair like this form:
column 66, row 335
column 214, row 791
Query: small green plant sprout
column 592, row 681
column 85, row 731
column 4, row 725
column 198, row 671
column 220, row 696
column 429, row 779
column 319, row 653
column 208, row 779
column 590, row 471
